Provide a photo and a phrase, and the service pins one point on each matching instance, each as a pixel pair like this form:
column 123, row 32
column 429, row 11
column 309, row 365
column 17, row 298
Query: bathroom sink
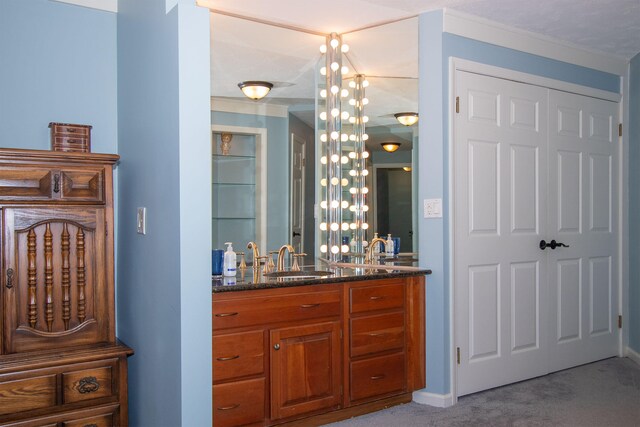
column 303, row 274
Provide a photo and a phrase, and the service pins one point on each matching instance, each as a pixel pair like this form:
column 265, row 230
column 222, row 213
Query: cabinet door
column 55, row 287
column 305, row 369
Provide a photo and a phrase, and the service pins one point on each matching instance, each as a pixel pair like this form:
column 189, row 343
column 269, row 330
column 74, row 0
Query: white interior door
column 297, row 192
column 532, row 163
column 583, row 214
column 500, row 214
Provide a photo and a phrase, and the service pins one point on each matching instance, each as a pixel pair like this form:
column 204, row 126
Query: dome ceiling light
column 407, row 118
column 255, row 89
column 390, row 146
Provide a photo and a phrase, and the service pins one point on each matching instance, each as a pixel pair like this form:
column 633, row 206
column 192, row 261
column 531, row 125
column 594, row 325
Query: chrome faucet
column 256, row 254
column 283, row 248
column 368, row 256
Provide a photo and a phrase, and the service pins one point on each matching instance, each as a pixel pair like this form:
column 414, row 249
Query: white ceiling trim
column 488, row 31
column 106, row 5
column 248, row 107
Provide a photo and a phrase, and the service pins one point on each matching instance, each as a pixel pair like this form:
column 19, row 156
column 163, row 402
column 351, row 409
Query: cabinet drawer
column 238, row 403
column 77, row 185
column 377, row 376
column 271, row 309
column 373, row 334
column 87, row 384
column 237, row 355
column 26, row 394
column 105, row 420
column 69, row 129
column 378, row 297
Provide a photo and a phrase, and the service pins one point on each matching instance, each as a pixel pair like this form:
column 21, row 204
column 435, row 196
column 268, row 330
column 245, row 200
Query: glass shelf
column 233, row 156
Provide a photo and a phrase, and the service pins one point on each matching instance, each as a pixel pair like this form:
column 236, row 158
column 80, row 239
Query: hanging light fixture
column 255, row 89
column 407, row 118
column 390, row 146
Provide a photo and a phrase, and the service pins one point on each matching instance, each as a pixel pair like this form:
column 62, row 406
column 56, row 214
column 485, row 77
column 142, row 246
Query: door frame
column 459, row 64
column 261, row 174
column 295, row 139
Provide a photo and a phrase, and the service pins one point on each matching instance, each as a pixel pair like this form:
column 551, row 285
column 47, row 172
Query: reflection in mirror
column 271, row 196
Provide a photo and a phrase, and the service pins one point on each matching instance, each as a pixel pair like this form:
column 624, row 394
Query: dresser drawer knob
column 88, row 385
column 276, row 347
column 224, row 359
column 227, row 314
column 378, row 377
column 228, row 408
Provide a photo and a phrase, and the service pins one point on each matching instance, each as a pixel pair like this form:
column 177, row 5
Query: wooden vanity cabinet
column 60, row 362
column 328, row 351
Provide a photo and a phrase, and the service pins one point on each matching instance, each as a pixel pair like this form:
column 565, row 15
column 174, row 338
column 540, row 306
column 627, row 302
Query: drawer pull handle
column 88, row 385
column 377, row 334
column 378, row 377
column 9, row 278
column 227, row 314
column 310, row 305
column 70, row 130
column 374, row 297
column 224, row 359
column 228, row 408
column 56, row 183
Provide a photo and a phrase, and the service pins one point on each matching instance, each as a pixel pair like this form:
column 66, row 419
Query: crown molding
column 248, row 107
column 106, row 5
column 487, row 31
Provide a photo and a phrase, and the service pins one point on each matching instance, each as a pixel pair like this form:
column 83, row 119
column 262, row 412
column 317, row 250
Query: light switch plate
column 433, row 208
column 141, row 221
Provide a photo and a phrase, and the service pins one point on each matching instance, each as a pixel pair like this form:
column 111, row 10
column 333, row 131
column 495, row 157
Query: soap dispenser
column 229, row 268
column 388, row 246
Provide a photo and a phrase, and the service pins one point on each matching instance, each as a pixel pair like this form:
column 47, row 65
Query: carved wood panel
column 57, row 256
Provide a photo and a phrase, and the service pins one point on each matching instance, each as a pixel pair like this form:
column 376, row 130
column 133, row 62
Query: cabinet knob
column 276, row 347
column 9, row 278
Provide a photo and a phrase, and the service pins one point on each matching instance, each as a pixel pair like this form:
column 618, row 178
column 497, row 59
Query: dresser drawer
column 26, row 394
column 372, row 334
column 69, row 129
column 377, row 297
column 238, row 355
column 87, row 384
column 25, row 184
column 105, row 420
column 378, row 376
column 276, row 308
column 68, row 184
column 238, row 403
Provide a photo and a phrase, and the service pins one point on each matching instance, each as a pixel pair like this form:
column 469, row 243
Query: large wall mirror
column 265, row 162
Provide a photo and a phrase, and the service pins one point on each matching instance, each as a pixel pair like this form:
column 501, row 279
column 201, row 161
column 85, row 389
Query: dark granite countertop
column 246, row 279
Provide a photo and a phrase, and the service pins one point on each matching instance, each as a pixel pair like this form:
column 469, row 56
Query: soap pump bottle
column 229, row 268
column 388, row 246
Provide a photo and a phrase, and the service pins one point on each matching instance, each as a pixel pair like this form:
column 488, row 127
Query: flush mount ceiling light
column 390, row 146
column 255, row 89
column 407, row 118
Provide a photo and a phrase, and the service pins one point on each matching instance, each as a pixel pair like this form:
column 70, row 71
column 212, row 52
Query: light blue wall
column 164, row 288
column 634, row 205
column 58, row 65
column 277, row 170
column 436, row 48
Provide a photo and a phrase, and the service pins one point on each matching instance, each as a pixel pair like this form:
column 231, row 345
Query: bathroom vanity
column 311, row 350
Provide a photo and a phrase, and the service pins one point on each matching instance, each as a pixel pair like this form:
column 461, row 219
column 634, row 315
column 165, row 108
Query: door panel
column 500, row 199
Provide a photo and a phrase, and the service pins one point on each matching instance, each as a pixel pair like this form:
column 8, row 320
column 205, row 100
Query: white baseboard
column 433, row 399
column 631, row 354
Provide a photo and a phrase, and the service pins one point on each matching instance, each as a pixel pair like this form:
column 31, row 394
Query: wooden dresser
column 318, row 353
column 60, row 361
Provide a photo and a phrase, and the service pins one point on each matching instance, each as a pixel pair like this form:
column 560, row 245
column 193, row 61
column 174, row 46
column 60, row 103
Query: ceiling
column 246, row 46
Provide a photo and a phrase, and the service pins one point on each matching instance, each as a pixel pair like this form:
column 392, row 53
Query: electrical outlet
column 433, row 208
column 141, row 221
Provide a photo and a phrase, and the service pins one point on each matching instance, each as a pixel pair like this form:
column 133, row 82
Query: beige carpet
column 605, row 393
